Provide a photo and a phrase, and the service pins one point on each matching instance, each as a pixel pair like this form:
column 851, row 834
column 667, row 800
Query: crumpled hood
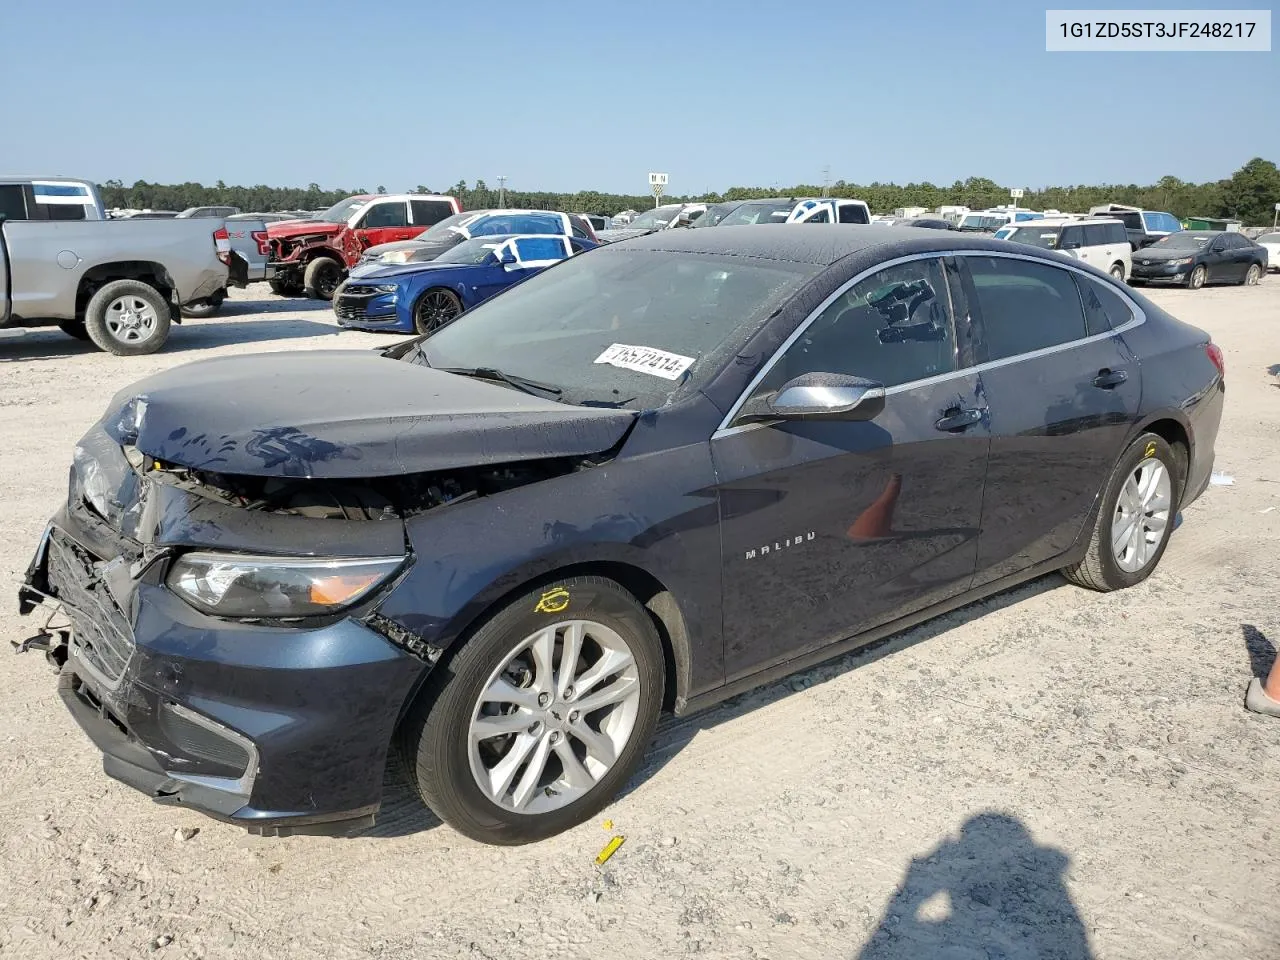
column 345, row 414
column 302, row 228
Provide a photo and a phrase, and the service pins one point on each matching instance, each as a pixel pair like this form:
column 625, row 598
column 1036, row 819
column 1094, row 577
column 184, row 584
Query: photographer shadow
column 991, row 894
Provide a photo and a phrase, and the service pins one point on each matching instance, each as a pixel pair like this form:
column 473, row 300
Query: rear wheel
column 1117, row 271
column 322, row 277
column 434, row 309
column 541, row 717
column 127, row 318
column 1254, row 276
column 1135, row 518
column 1197, row 278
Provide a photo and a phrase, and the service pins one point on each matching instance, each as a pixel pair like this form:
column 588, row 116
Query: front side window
column 893, row 327
column 1024, row 305
column 530, row 250
column 385, row 215
column 13, row 202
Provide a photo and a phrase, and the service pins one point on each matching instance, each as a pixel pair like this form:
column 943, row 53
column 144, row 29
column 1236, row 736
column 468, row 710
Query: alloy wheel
column 131, row 319
column 553, row 719
column 436, row 308
column 1254, row 275
column 1142, row 515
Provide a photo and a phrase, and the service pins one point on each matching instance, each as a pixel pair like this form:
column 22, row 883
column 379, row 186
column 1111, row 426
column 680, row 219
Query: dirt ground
column 1051, row 773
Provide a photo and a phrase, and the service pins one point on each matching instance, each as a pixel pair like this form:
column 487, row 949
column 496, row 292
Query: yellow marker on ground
column 608, row 824
column 609, row 850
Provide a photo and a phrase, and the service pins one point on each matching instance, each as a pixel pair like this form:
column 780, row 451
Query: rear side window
column 535, row 249
column 430, row 212
column 1104, row 309
column 13, row 202
column 65, row 211
column 1116, row 233
column 1024, row 305
column 893, row 327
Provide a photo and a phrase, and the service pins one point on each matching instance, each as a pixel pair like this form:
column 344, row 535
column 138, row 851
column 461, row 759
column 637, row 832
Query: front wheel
column 1135, row 518
column 434, row 309
column 1197, row 278
column 541, row 717
column 1254, row 276
column 322, row 277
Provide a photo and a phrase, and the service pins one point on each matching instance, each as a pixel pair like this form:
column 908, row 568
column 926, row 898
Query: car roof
column 1065, row 221
column 818, row 243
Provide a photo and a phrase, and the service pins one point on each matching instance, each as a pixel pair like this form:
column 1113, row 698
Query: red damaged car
column 313, row 256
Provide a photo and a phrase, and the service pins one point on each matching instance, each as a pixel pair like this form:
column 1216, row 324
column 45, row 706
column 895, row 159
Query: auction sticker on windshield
column 669, row 366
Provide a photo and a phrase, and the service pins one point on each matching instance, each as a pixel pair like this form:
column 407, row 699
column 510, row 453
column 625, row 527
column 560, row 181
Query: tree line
column 1249, row 194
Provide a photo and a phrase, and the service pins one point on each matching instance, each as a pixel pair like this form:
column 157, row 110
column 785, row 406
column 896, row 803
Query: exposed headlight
column 396, row 256
column 231, row 585
column 94, row 483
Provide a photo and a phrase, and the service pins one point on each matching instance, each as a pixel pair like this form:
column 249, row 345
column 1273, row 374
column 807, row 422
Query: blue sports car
column 419, row 297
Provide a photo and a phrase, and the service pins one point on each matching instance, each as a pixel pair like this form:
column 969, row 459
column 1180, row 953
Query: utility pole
column 826, row 180
column 502, row 193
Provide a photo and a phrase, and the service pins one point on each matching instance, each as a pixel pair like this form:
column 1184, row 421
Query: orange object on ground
column 877, row 519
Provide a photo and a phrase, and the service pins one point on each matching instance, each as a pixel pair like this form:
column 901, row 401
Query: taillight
column 1215, row 357
column 222, row 243
column 260, row 238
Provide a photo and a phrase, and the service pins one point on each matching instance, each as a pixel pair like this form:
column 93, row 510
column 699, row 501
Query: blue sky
column 592, row 95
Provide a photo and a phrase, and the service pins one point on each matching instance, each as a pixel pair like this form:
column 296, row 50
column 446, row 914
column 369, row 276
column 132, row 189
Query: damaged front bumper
column 280, row 729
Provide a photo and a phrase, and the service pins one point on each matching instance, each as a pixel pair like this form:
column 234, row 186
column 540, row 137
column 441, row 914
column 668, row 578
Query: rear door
column 832, row 527
column 1241, row 251
column 1063, row 391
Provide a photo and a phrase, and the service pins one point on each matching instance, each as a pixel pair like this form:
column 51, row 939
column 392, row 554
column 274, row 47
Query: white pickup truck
column 119, row 283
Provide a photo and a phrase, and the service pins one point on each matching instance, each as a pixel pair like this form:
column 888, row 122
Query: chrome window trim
column 1138, row 318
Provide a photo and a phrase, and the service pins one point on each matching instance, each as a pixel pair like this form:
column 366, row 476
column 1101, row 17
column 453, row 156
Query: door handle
column 959, row 419
column 1107, row 379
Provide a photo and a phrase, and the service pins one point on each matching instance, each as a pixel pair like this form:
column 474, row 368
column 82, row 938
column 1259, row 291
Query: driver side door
column 831, row 527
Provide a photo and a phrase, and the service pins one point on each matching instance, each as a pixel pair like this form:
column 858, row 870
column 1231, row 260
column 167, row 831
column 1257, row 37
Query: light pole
column 826, row 180
column 502, row 193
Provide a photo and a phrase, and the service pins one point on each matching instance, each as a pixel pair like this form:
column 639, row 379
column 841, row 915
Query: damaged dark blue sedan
column 644, row 479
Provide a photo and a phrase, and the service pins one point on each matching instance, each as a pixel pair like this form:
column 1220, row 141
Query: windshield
column 341, row 211
column 1045, row 237
column 602, row 326
column 1269, row 238
column 1184, row 240
column 496, row 223
column 472, row 252
column 655, row 219
column 714, row 215
column 770, row 211
column 976, row 222
column 441, row 230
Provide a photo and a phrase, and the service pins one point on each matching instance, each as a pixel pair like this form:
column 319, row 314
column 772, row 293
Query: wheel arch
column 144, row 271
column 650, row 592
column 1176, row 432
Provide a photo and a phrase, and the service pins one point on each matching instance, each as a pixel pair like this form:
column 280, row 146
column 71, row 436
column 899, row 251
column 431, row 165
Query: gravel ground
column 1050, row 773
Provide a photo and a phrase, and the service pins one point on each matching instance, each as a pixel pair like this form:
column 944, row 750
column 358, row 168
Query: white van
column 1099, row 241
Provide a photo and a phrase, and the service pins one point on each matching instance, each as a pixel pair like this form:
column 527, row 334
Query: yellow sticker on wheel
column 1151, row 449
column 553, row 601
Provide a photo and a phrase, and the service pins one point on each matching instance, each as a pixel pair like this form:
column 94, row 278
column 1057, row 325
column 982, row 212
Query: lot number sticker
column 659, row 363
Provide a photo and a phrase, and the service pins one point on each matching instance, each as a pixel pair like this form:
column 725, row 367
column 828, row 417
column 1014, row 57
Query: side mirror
column 818, row 396
column 506, row 256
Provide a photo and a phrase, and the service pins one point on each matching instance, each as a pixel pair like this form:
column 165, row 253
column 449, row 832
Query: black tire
column 435, row 741
column 1099, row 570
column 283, row 287
column 1197, row 277
column 74, row 328
column 1253, row 276
column 101, row 319
column 198, row 311
column 1117, row 271
column 434, row 309
column 322, row 277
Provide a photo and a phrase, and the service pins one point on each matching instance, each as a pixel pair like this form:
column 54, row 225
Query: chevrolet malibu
column 648, row 478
